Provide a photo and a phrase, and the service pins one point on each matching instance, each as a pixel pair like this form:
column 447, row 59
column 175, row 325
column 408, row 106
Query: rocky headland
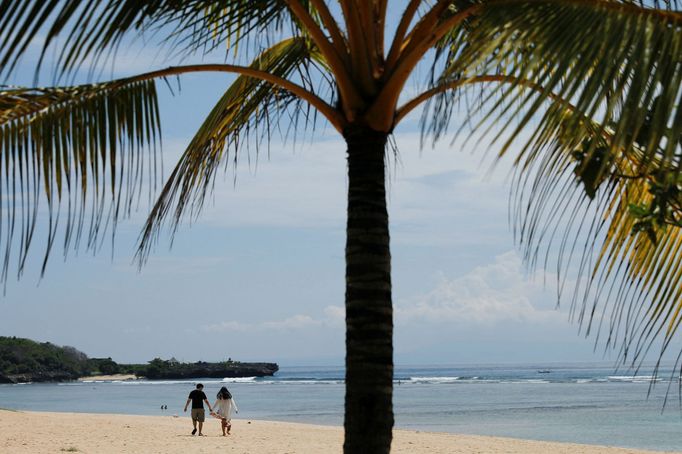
column 24, row 360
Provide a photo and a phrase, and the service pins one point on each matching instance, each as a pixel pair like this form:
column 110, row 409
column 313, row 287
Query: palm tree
column 589, row 88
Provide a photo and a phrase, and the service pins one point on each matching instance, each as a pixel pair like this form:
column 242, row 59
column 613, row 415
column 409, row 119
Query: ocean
column 579, row 403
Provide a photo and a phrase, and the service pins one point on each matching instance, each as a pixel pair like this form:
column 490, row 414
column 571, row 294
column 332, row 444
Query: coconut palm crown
column 587, row 90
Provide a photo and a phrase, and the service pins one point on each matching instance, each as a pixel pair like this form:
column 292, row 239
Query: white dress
column 224, row 407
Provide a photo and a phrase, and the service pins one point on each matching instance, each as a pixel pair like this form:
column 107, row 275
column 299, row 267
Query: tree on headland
column 588, row 91
column 33, row 361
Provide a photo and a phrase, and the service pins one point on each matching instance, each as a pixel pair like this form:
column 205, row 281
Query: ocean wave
column 532, row 381
column 486, row 381
column 335, row 381
column 168, row 382
column 310, row 380
column 556, row 407
column 433, row 380
column 399, row 380
column 239, row 379
column 633, row 378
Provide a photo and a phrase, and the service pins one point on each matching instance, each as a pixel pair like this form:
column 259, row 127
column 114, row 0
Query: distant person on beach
column 224, row 405
column 197, row 397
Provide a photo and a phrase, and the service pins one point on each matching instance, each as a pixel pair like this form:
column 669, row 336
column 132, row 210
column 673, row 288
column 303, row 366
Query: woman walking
column 223, row 407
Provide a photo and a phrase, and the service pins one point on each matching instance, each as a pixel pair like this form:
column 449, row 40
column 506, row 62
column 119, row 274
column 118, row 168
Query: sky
column 260, row 275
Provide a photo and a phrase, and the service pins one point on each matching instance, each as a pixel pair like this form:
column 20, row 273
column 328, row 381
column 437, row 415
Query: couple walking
column 223, row 407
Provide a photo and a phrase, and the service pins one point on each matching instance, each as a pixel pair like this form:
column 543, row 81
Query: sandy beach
column 119, row 377
column 38, row 432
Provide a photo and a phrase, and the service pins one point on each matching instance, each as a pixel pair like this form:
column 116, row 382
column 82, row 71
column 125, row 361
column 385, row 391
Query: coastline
column 114, row 377
column 42, row 432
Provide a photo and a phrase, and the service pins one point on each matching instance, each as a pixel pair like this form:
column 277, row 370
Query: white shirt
column 224, row 407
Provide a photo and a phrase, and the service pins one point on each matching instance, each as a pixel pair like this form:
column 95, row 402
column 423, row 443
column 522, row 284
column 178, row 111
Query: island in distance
column 24, row 360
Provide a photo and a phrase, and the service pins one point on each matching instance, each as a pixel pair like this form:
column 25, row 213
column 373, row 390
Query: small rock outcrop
column 160, row 369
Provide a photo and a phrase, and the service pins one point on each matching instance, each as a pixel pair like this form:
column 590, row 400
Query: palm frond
column 91, row 28
column 594, row 213
column 620, row 65
column 83, row 148
column 592, row 91
column 249, row 109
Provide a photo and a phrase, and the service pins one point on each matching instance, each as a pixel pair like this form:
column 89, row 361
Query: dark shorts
column 198, row 414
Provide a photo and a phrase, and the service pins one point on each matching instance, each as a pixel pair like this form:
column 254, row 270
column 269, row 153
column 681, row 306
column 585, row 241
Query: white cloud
column 333, row 315
column 429, row 192
column 303, row 189
column 226, row 326
column 488, row 294
column 498, row 292
column 292, row 323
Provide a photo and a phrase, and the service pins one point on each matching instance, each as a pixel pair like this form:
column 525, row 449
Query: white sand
column 37, row 433
column 115, row 377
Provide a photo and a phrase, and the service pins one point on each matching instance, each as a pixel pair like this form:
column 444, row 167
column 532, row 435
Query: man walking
column 197, row 397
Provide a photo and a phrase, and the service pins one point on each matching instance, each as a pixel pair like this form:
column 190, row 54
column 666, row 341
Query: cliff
column 24, row 360
column 170, row 369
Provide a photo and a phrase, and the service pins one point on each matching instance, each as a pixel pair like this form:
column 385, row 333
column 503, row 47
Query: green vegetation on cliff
column 24, row 360
column 27, row 360
column 165, row 369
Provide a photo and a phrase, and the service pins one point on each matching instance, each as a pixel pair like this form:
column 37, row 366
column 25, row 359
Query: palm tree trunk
column 369, row 312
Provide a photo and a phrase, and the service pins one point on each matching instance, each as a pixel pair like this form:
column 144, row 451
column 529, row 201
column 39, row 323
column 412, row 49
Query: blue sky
column 260, row 275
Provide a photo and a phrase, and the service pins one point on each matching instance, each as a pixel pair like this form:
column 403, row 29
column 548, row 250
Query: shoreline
column 113, row 377
column 48, row 432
